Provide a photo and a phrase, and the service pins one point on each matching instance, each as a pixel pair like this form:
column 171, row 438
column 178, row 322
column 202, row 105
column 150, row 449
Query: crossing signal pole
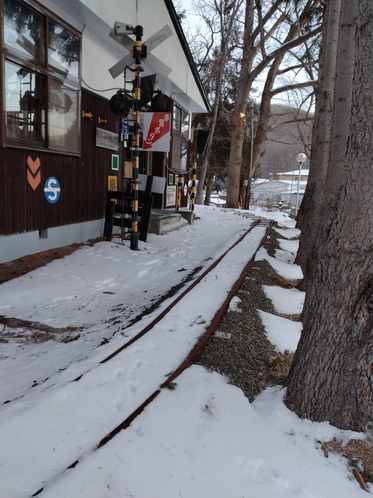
column 139, row 51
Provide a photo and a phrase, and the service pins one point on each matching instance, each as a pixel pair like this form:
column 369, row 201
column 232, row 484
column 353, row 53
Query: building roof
column 188, row 54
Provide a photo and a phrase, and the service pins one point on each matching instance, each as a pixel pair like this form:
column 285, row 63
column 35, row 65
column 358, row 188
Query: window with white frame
column 42, row 62
column 180, row 136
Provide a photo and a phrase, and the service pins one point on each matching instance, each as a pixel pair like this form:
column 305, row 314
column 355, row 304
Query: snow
column 285, row 301
column 202, row 439
column 283, row 333
column 290, row 272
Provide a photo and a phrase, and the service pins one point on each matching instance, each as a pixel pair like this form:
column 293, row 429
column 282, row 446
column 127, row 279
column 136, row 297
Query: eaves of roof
column 184, row 44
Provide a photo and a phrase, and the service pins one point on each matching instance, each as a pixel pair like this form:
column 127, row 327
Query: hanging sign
column 157, row 131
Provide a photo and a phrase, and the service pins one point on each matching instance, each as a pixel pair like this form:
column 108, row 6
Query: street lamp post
column 300, row 158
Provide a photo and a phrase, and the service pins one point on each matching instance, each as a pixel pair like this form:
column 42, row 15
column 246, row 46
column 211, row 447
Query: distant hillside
column 285, row 141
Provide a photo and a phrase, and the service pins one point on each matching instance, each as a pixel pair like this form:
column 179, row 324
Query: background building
column 60, row 148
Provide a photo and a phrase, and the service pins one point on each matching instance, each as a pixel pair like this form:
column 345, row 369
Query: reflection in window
column 63, row 126
column 177, row 118
column 181, row 121
column 41, row 107
column 180, row 135
column 63, row 50
column 179, row 153
column 185, row 124
column 24, row 103
column 24, row 30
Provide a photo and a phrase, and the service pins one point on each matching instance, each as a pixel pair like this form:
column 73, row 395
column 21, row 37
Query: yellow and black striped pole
column 137, row 53
column 193, row 187
column 179, row 188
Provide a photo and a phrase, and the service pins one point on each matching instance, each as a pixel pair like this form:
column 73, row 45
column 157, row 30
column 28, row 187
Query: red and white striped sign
column 157, row 131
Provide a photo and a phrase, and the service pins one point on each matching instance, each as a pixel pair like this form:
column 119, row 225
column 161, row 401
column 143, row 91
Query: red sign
column 157, row 131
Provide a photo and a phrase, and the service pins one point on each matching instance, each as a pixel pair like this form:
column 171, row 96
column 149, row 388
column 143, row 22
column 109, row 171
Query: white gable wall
column 95, row 18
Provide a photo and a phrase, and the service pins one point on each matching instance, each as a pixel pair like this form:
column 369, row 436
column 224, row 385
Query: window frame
column 47, row 71
column 177, row 133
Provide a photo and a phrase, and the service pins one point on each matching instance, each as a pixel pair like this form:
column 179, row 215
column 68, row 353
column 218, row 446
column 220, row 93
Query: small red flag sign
column 156, row 131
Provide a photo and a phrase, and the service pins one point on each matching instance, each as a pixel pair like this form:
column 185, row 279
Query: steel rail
column 180, row 297
column 198, row 348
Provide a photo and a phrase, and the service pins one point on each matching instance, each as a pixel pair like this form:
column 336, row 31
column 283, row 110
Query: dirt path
column 18, row 267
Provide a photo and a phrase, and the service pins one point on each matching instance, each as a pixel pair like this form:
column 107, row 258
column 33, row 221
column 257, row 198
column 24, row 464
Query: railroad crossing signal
column 119, row 34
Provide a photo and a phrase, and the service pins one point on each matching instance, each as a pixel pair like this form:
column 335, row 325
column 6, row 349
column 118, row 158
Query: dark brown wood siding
column 83, row 179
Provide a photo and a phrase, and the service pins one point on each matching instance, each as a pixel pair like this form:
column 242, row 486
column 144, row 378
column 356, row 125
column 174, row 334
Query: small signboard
column 114, row 162
column 171, row 196
column 157, row 131
column 52, row 190
column 112, row 183
column 107, row 139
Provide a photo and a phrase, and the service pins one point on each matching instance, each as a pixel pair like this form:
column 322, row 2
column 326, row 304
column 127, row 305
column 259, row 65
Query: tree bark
column 310, row 211
column 331, row 377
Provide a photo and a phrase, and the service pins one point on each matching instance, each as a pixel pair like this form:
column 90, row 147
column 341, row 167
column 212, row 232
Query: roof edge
column 184, row 44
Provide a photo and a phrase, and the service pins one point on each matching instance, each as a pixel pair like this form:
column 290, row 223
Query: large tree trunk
column 331, row 377
column 310, row 211
column 238, row 125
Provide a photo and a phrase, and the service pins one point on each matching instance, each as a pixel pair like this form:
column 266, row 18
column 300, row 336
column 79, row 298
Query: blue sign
column 124, row 126
column 124, row 129
column 52, row 190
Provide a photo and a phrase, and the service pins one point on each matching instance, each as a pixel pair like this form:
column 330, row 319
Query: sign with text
column 157, row 131
column 112, row 183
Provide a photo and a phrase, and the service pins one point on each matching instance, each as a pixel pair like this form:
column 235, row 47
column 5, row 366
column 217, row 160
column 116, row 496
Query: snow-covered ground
column 203, row 439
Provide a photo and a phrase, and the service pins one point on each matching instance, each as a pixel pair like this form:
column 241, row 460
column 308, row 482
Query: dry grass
column 278, row 369
column 283, row 282
column 358, row 452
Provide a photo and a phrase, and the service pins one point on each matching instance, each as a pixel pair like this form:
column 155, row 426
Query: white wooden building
column 61, row 63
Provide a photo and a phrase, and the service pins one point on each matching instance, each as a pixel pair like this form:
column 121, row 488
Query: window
column 41, row 79
column 180, row 136
column 24, row 104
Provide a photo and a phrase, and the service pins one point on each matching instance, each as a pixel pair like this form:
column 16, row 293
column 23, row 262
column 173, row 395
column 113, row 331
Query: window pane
column 63, row 122
column 179, row 153
column 185, row 123
column 24, row 103
column 63, row 50
column 177, row 119
column 24, row 30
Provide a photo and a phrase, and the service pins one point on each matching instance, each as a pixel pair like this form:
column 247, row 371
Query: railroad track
column 112, row 370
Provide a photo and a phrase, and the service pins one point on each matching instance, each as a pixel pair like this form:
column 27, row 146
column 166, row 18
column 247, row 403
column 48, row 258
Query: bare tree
column 332, row 126
column 212, row 51
column 265, row 44
column 331, row 377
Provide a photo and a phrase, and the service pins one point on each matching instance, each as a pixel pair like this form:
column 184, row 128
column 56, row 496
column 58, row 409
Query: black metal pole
column 137, row 53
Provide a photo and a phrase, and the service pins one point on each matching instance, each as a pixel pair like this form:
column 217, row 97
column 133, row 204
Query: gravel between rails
column 243, row 358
